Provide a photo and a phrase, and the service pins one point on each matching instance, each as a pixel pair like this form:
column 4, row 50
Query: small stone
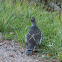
column 11, row 32
column 14, row 60
column 11, row 55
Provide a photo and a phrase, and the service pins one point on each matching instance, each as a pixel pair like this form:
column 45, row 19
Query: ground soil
column 11, row 51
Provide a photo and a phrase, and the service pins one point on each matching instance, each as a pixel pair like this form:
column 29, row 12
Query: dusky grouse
column 33, row 38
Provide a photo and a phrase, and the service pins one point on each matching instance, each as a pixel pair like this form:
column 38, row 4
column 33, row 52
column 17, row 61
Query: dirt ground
column 11, row 51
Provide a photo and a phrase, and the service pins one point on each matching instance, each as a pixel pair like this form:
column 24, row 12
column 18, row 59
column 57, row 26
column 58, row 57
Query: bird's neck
column 33, row 24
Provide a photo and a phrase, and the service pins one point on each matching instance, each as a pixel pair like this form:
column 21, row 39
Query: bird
column 33, row 38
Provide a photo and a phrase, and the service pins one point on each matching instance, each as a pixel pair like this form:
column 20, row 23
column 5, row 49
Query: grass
column 15, row 23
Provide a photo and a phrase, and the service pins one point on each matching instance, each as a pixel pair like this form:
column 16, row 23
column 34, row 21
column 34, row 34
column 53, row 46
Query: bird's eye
column 32, row 20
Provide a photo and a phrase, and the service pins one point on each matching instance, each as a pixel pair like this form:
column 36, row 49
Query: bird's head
column 32, row 19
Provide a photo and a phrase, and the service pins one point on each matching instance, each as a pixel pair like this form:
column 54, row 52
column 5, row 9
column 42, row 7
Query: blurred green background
column 15, row 23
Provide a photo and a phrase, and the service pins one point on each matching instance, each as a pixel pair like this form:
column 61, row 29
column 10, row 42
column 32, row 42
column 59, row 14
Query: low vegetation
column 15, row 23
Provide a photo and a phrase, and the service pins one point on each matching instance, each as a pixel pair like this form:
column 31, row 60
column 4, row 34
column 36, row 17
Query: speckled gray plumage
column 34, row 37
column 34, row 34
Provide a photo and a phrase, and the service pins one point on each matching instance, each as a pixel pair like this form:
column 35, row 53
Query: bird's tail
column 29, row 51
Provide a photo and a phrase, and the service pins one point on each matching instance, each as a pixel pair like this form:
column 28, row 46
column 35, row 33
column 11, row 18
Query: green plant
column 15, row 17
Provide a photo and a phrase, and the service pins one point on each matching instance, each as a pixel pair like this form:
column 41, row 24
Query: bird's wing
column 38, row 37
column 41, row 38
column 27, row 37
